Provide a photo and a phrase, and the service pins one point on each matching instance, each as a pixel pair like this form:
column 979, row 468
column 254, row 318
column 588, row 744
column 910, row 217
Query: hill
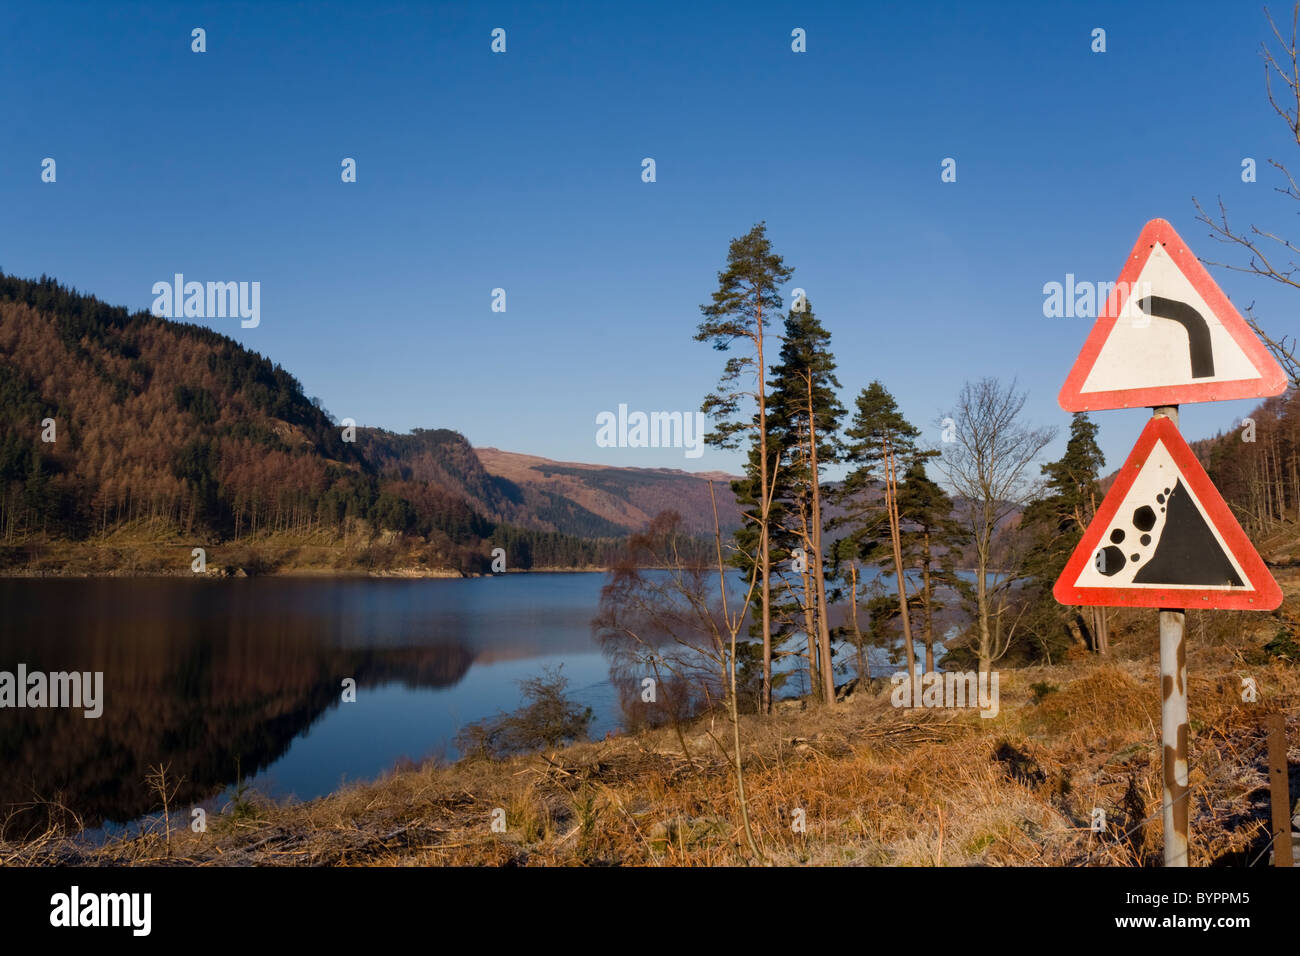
column 563, row 494
column 128, row 439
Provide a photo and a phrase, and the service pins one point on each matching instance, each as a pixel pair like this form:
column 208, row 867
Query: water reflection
column 199, row 674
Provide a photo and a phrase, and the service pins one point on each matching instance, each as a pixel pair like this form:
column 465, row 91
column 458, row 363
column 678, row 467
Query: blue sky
column 523, row 171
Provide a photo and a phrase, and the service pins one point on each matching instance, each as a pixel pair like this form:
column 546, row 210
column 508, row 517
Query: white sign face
column 1161, row 537
column 1147, row 350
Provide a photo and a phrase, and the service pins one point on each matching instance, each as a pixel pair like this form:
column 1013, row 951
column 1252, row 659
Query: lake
column 227, row 679
column 208, row 676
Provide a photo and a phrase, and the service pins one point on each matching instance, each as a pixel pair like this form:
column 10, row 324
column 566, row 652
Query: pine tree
column 932, row 538
column 805, row 419
column 880, row 438
column 746, row 298
column 1056, row 522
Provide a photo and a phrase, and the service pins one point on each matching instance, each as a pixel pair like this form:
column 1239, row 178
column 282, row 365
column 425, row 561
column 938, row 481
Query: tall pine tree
column 746, row 298
column 879, row 439
column 805, row 417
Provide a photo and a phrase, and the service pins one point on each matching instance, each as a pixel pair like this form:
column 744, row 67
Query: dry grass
column 877, row 785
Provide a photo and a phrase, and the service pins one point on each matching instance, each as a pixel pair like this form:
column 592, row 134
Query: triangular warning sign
column 1167, row 336
column 1164, row 537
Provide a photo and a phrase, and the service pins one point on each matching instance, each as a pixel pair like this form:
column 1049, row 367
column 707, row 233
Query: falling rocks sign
column 1164, row 538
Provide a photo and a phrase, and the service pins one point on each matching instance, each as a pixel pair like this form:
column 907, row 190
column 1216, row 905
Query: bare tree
column 1271, row 255
column 658, row 618
column 815, row 574
column 804, row 601
column 733, row 622
column 987, row 464
column 160, row 782
column 658, row 613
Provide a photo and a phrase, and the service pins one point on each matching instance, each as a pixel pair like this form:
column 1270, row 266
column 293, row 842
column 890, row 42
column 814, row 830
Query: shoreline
column 240, row 559
column 239, row 574
column 411, row 573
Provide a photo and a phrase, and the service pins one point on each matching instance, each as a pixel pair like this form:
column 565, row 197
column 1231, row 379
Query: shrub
column 1042, row 689
column 548, row 719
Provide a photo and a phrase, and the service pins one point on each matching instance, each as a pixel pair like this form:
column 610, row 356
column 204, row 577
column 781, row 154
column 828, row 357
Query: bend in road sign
column 1168, row 336
column 1164, row 538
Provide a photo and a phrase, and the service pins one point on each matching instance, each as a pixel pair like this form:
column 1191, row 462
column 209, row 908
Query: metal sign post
column 1173, row 717
column 1173, row 732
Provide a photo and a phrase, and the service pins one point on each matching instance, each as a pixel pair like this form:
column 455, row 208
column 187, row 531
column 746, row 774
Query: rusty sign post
column 1173, row 718
column 1163, row 537
column 1173, row 733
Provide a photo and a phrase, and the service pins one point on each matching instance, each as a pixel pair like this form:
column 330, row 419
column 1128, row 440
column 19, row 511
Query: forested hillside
column 115, row 422
column 1257, row 467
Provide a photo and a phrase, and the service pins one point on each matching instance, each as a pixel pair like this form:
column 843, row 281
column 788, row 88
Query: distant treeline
column 1257, row 465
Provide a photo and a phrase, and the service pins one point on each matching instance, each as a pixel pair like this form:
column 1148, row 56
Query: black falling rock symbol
column 1187, row 551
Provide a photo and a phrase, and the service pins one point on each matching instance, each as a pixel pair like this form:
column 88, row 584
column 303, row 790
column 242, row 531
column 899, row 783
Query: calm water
column 201, row 674
column 211, row 675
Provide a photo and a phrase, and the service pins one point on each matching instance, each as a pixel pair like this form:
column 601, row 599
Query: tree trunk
column 891, row 505
column 863, row 675
column 982, row 602
column 927, row 597
column 819, row 573
column 765, row 510
column 810, row 631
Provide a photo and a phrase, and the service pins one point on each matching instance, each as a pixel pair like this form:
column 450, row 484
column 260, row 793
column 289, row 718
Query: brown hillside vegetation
column 1256, row 466
column 877, row 785
column 128, row 439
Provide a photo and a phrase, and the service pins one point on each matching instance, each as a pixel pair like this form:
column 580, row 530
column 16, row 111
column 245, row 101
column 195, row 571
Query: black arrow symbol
column 1198, row 330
